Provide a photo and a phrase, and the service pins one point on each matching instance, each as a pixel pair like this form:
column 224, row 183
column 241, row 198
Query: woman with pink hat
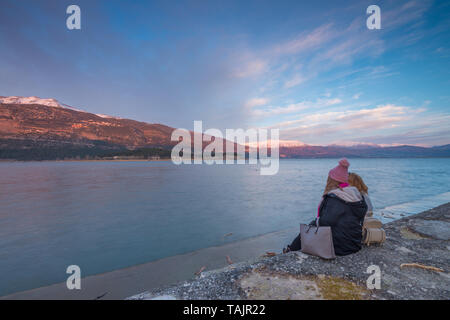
column 343, row 209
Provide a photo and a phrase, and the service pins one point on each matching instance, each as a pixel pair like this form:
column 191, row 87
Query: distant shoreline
column 88, row 160
column 168, row 159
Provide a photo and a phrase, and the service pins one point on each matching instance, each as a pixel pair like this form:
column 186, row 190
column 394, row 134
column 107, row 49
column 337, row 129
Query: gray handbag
column 317, row 241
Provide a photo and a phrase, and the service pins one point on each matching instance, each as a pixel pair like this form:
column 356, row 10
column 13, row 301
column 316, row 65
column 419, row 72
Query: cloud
column 380, row 116
column 250, row 68
column 256, row 102
column 431, row 131
column 331, row 41
column 349, row 47
column 329, row 102
column 408, row 13
column 295, row 107
column 325, row 49
column 355, row 125
column 318, row 51
column 305, row 41
column 295, row 81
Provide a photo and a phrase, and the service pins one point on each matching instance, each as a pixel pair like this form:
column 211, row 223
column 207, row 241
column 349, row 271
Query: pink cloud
column 390, row 121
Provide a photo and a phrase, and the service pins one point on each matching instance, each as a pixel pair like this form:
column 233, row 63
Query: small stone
column 391, row 292
column 404, row 250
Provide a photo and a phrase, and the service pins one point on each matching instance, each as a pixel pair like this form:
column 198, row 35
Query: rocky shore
column 419, row 239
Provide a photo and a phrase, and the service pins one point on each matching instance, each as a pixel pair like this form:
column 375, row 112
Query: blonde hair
column 356, row 181
column 331, row 185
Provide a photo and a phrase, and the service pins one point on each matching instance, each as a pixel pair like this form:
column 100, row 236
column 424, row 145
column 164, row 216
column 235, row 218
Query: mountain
column 32, row 128
column 361, row 151
column 46, row 119
column 39, row 129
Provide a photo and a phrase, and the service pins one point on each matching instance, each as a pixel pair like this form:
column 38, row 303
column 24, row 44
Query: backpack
column 372, row 233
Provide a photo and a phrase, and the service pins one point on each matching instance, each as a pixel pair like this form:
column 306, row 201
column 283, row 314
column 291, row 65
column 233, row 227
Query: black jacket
column 345, row 220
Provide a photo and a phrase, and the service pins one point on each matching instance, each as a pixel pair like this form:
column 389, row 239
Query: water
column 104, row 216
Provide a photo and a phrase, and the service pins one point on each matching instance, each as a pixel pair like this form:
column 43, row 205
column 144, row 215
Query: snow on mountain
column 353, row 144
column 106, row 116
column 292, row 143
column 45, row 102
column 29, row 100
column 281, row 143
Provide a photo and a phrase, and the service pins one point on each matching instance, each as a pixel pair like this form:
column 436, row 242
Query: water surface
column 104, row 216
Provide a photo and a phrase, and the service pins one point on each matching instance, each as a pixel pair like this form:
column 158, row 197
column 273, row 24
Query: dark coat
column 345, row 220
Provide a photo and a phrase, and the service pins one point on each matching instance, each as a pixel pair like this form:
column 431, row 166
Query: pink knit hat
column 340, row 172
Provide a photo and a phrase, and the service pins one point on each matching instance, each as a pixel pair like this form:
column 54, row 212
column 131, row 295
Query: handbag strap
column 317, row 224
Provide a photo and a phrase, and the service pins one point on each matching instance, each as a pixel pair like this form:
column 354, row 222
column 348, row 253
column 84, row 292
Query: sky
column 310, row 68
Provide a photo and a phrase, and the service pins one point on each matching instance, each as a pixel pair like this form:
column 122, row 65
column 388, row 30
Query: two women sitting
column 344, row 205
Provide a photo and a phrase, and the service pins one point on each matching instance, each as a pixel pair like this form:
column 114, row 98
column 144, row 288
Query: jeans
column 296, row 244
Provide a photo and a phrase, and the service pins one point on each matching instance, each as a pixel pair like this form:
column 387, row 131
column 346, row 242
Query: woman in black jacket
column 343, row 209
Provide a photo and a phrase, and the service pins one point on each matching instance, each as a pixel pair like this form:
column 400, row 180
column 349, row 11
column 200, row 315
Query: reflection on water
column 108, row 215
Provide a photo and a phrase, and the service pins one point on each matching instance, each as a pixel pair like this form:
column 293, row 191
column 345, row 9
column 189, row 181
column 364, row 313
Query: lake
column 104, row 215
